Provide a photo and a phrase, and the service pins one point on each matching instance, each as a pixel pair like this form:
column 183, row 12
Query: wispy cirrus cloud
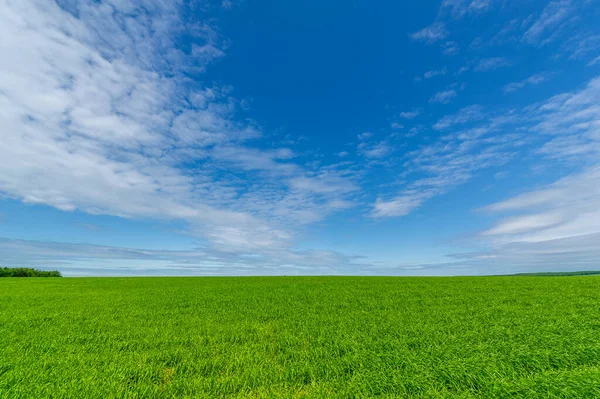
column 534, row 79
column 450, row 48
column 594, row 61
column 377, row 150
column 553, row 15
column 582, row 46
column 451, row 161
column 431, row 34
column 433, row 73
column 465, row 115
column 448, row 11
column 401, row 205
column 570, row 123
column 458, row 9
column 373, row 149
column 566, row 128
column 492, row 63
column 443, row 97
column 509, row 33
column 410, row 114
column 562, row 21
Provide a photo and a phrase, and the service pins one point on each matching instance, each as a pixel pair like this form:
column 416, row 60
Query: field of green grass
column 300, row 337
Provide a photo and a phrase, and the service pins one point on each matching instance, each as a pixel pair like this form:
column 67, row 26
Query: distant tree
column 27, row 272
column 550, row 274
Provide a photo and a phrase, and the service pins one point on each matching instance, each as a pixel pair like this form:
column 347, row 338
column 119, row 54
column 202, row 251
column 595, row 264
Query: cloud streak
column 458, row 9
column 443, row 97
column 410, row 114
column 491, row 64
column 534, row 79
column 549, row 20
column 431, row 34
column 432, row 73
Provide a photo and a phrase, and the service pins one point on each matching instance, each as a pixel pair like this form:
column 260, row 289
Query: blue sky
column 172, row 137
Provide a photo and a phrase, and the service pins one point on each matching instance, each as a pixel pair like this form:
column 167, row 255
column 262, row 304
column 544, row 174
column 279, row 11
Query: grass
column 300, row 337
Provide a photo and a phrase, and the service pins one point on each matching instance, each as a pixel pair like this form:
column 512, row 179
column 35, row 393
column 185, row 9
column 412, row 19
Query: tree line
column 27, row 272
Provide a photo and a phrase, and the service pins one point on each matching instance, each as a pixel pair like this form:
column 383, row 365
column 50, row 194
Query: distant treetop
column 27, row 272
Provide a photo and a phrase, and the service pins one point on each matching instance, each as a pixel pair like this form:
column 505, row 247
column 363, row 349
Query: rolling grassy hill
column 300, row 337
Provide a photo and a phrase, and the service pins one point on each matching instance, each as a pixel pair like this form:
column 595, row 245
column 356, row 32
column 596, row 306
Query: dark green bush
column 27, row 272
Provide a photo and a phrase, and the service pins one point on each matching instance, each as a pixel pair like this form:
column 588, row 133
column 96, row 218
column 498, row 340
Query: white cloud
column 568, row 208
column 373, row 150
column 526, row 223
column 450, row 48
column 581, row 46
column 400, row 206
column 433, row 73
column 326, row 184
column 490, row 64
column 566, row 127
column 571, row 121
column 444, row 165
column 507, row 34
column 99, row 116
column 443, row 97
column 413, row 131
column 465, row 115
column 410, row 114
column 431, row 34
column 594, row 61
column 364, row 135
column 534, row 79
column 551, row 17
column 378, row 150
column 456, row 9
column 459, row 8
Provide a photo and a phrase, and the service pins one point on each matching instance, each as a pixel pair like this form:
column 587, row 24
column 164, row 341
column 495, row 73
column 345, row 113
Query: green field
column 300, row 337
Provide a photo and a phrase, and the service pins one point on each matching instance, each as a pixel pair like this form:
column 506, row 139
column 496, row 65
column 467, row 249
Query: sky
column 243, row 137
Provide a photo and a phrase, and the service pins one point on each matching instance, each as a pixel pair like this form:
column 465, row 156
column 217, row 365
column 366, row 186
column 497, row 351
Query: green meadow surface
column 300, row 337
